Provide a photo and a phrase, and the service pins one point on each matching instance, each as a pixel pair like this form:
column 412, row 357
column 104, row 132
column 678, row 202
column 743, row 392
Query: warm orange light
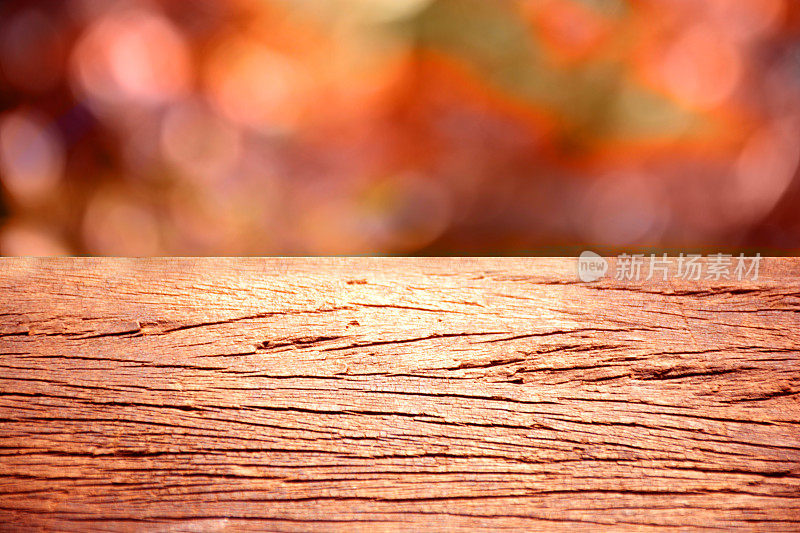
column 132, row 56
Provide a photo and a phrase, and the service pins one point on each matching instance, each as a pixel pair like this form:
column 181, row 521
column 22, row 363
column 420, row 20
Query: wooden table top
column 394, row 394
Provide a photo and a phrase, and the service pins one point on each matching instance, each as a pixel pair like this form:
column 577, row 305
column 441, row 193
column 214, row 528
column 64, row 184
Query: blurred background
column 286, row 127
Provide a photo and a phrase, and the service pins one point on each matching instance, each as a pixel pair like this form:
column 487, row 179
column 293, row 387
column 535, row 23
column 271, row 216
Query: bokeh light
column 131, row 56
column 261, row 127
column 31, row 156
column 255, row 86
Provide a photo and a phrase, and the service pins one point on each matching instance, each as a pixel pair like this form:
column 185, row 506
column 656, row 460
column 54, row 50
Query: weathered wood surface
column 394, row 394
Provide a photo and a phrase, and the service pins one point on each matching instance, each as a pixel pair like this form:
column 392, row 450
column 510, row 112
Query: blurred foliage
column 595, row 99
column 143, row 127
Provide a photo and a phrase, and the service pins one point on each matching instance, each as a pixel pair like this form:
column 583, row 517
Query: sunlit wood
column 394, row 394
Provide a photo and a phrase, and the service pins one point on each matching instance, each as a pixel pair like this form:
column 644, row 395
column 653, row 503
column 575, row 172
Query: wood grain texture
column 394, row 394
